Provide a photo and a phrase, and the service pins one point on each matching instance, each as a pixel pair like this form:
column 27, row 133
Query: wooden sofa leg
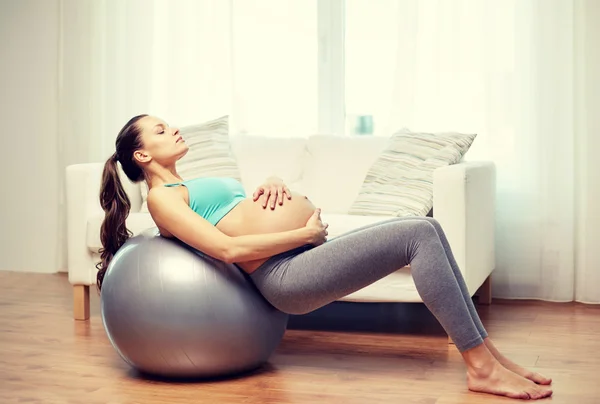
column 81, row 302
column 485, row 291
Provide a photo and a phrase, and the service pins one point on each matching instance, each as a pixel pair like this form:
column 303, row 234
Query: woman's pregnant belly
column 249, row 217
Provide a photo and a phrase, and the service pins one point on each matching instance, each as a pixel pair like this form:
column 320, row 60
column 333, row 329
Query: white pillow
column 209, row 154
column 400, row 181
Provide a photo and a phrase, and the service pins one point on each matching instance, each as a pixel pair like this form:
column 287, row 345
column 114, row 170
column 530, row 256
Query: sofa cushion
column 209, row 151
column 335, row 168
column 400, row 181
column 340, row 223
column 259, row 157
column 397, row 286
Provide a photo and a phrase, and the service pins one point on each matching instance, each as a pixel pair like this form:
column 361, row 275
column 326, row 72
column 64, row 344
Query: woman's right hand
column 317, row 229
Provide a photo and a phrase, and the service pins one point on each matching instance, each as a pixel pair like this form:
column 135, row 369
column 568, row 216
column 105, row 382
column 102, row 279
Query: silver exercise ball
column 171, row 311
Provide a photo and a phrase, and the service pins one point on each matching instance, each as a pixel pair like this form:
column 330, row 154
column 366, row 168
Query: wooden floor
column 344, row 353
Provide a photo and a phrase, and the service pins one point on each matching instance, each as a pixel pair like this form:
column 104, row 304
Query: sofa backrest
column 329, row 169
column 259, row 157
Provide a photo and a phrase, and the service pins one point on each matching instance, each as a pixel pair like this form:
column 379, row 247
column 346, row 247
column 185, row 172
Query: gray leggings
column 306, row 278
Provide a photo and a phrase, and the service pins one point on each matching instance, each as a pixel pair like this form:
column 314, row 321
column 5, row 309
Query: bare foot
column 528, row 374
column 510, row 365
column 496, row 379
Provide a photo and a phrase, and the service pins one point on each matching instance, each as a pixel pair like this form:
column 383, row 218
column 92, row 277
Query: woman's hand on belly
column 293, row 214
column 249, row 217
column 272, row 192
column 317, row 228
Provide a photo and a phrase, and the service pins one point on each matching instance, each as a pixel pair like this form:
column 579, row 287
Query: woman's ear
column 141, row 156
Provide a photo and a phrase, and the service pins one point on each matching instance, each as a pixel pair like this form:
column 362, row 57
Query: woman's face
column 162, row 143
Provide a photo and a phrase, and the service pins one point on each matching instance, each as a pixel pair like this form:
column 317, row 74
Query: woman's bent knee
column 434, row 222
column 425, row 227
column 431, row 220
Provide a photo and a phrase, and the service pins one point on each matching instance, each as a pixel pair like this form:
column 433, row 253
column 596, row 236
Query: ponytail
column 113, row 198
column 116, row 206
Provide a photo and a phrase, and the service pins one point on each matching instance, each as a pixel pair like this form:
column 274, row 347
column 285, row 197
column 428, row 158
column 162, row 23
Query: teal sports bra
column 213, row 197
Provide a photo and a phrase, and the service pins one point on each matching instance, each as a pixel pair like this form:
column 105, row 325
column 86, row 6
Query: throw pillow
column 209, row 154
column 400, row 182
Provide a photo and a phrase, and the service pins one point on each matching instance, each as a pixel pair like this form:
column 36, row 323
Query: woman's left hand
column 272, row 192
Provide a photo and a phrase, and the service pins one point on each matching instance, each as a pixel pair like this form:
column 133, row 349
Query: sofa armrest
column 464, row 205
column 83, row 190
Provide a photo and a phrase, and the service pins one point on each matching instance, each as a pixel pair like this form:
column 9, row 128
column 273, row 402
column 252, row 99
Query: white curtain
column 506, row 70
column 126, row 57
column 520, row 73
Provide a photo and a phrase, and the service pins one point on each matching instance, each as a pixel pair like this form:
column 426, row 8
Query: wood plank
column 343, row 353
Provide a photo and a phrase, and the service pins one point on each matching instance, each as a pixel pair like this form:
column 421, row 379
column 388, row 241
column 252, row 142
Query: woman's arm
column 257, row 246
column 171, row 213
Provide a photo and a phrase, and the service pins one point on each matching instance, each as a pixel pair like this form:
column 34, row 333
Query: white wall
column 587, row 128
column 28, row 114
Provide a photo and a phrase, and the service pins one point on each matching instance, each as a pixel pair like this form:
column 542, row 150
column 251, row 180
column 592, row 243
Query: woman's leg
column 459, row 277
column 452, row 261
column 509, row 364
column 506, row 362
column 302, row 282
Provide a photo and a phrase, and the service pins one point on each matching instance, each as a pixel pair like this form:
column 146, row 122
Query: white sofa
column 330, row 170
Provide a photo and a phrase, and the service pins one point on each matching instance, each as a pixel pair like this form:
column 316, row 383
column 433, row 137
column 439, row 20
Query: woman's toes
column 542, row 392
column 542, row 379
column 539, row 379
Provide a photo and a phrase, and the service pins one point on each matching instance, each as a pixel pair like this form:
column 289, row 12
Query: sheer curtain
column 505, row 70
column 123, row 58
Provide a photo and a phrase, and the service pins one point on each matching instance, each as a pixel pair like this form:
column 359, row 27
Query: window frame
column 331, row 68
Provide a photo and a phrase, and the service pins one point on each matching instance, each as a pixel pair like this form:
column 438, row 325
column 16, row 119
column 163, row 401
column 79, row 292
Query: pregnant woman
column 278, row 238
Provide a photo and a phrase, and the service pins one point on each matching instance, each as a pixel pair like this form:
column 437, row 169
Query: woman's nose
column 175, row 132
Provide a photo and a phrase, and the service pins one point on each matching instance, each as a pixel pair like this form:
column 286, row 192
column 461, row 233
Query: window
column 275, row 67
column 370, row 44
column 358, row 67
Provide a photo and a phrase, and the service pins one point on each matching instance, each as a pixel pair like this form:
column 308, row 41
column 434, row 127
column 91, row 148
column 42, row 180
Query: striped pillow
column 400, row 182
column 209, row 153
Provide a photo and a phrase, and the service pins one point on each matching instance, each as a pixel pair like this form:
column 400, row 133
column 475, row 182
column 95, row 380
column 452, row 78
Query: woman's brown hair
column 113, row 198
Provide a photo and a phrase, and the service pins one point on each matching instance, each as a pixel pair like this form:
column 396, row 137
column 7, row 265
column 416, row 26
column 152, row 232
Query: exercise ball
column 171, row 311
